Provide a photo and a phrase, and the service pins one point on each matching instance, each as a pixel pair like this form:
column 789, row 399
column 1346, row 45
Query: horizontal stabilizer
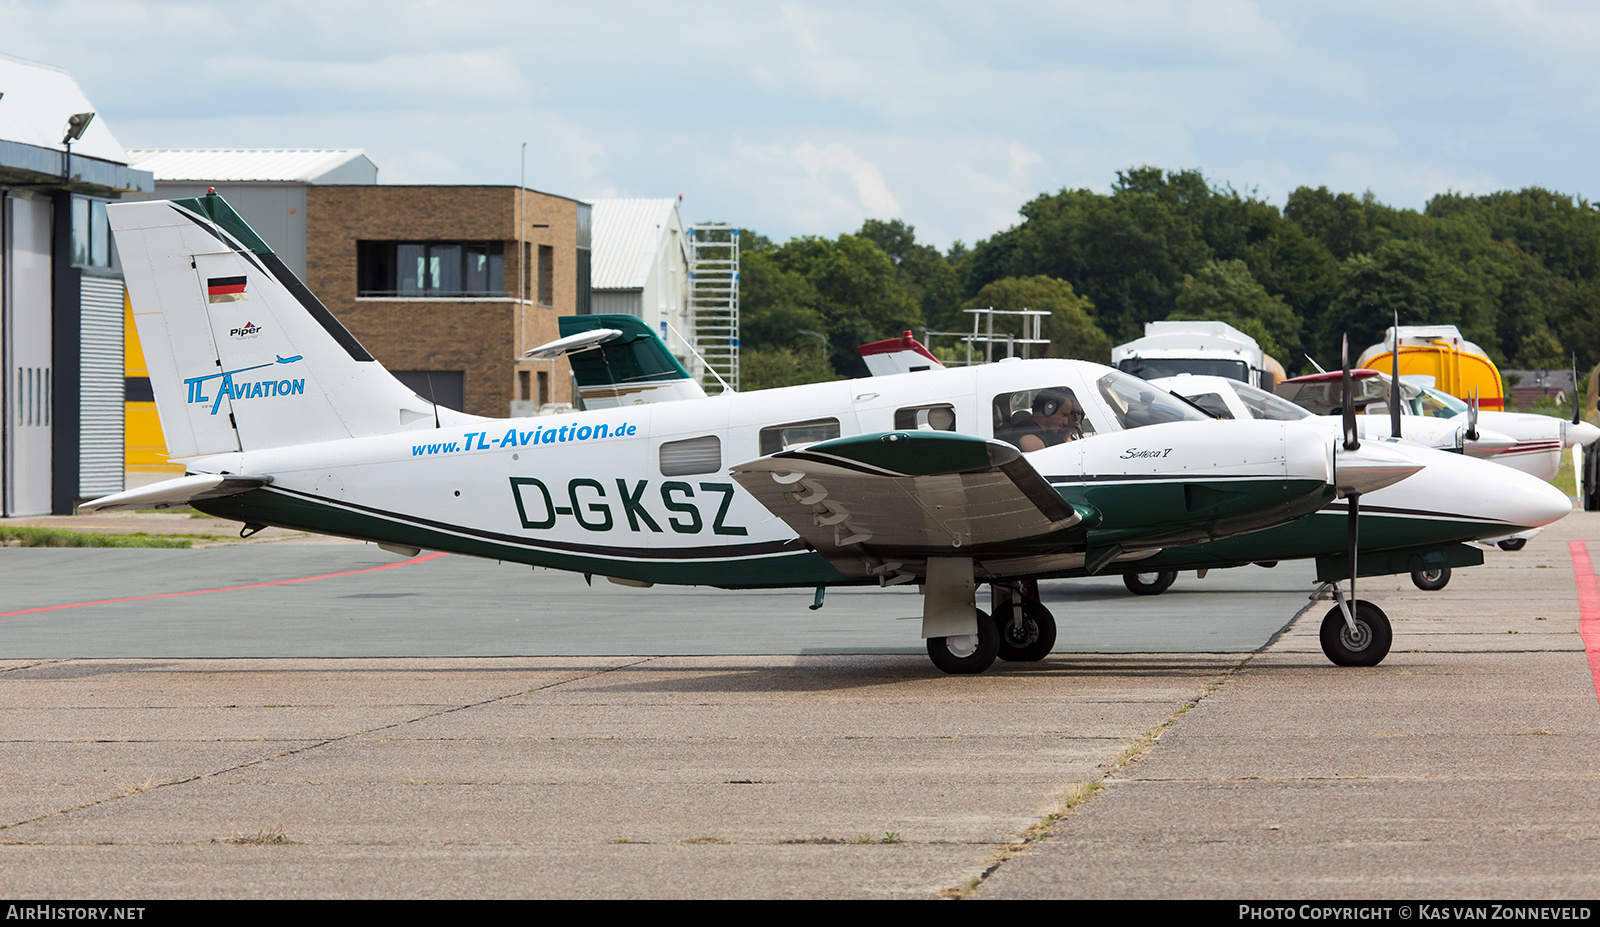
column 618, row 361
column 866, row 500
column 181, row 491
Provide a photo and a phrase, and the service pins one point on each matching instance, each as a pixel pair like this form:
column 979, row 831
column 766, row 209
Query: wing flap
column 867, row 500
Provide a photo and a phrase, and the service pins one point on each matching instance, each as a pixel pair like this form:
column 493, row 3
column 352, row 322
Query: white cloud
column 807, row 117
column 829, row 165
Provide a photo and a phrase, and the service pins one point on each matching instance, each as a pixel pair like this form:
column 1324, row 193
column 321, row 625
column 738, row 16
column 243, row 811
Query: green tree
column 768, row 368
column 1224, row 291
column 858, row 295
column 926, row 275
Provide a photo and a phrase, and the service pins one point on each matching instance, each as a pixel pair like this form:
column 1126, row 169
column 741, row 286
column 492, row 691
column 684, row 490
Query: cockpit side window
column 1213, row 403
column 1052, row 413
column 1265, row 405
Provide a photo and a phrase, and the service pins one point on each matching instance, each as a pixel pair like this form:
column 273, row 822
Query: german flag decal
column 225, row 289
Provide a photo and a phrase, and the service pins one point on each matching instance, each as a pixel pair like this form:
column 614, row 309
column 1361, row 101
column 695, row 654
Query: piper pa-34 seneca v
column 295, row 425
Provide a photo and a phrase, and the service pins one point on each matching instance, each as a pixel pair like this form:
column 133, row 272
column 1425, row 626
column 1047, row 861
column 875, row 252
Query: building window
column 547, row 275
column 430, row 269
column 91, row 236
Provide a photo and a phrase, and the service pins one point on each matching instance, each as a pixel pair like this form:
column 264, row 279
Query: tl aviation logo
column 254, row 389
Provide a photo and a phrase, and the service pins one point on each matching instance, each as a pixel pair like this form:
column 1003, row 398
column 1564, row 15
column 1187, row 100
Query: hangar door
column 25, row 319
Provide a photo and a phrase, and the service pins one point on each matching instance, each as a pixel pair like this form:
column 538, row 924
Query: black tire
column 1369, row 648
column 965, row 654
column 1149, row 583
column 1031, row 642
column 1513, row 544
column 1431, row 580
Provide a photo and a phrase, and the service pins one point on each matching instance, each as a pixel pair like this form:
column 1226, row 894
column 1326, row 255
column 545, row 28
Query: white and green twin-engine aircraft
column 282, row 418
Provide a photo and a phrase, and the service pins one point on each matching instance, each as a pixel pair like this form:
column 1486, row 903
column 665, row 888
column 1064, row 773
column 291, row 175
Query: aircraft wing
column 906, row 494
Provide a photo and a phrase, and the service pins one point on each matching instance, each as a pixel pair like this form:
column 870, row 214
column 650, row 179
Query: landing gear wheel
column 1367, row 646
column 1032, row 639
column 967, row 653
column 1431, row 580
column 1149, row 583
column 1512, row 544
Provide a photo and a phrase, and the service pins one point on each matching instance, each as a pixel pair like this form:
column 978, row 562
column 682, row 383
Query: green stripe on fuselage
column 1324, row 534
column 266, row 507
column 1175, row 512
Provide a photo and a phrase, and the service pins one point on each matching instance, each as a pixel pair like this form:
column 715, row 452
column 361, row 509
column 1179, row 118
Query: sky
column 807, row 118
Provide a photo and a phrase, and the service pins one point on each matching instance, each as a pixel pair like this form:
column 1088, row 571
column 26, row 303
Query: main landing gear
column 1027, row 629
column 965, row 654
column 1431, row 580
column 1149, row 583
column 1022, row 630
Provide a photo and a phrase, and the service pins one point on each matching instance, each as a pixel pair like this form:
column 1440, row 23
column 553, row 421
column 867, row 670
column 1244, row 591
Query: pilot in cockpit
column 1055, row 418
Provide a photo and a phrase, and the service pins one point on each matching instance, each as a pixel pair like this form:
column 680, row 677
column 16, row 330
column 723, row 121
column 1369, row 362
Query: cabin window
column 776, row 438
column 1014, row 414
column 940, row 417
column 696, row 455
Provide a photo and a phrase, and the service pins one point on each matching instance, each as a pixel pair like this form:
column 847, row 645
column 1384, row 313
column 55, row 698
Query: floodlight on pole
column 76, row 124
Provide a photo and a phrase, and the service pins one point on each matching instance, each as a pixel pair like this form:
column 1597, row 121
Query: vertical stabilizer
column 241, row 355
column 623, row 364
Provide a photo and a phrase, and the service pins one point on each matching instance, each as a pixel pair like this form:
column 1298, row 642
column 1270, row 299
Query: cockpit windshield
column 1136, row 402
column 1440, row 405
column 1269, row 406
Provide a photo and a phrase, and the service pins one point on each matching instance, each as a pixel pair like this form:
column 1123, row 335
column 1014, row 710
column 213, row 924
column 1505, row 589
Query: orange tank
column 1457, row 365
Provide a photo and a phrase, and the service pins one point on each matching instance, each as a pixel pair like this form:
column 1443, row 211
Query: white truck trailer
column 1211, row 348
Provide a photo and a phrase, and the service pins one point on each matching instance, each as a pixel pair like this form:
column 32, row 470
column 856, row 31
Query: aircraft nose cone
column 1581, row 433
column 1372, row 466
column 1529, row 501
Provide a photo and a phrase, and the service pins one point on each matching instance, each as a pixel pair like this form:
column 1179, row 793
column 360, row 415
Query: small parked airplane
column 288, row 421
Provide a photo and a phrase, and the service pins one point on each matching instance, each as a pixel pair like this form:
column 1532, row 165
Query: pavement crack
column 1085, row 792
column 127, row 792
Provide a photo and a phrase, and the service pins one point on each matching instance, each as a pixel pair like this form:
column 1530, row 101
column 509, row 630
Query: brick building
column 445, row 285
column 448, row 285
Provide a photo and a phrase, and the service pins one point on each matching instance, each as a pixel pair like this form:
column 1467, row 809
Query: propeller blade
column 1574, row 387
column 1472, row 416
column 1352, row 440
column 1394, row 386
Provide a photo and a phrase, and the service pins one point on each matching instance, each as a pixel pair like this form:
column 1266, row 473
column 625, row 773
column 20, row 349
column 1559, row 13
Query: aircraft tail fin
column 618, row 361
column 904, row 354
column 242, row 356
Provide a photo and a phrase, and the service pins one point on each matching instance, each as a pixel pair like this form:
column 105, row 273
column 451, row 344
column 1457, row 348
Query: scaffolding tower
column 714, row 301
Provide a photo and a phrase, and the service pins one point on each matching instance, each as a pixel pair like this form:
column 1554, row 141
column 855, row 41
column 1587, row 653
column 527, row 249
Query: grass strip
column 51, row 537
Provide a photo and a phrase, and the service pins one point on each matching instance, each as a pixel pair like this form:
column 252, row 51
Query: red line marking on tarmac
column 423, row 558
column 1588, row 606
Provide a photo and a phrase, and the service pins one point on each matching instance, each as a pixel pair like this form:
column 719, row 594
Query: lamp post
column 76, row 124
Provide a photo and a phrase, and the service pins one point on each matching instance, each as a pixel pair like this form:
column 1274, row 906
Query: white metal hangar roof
column 257, row 165
column 627, row 237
